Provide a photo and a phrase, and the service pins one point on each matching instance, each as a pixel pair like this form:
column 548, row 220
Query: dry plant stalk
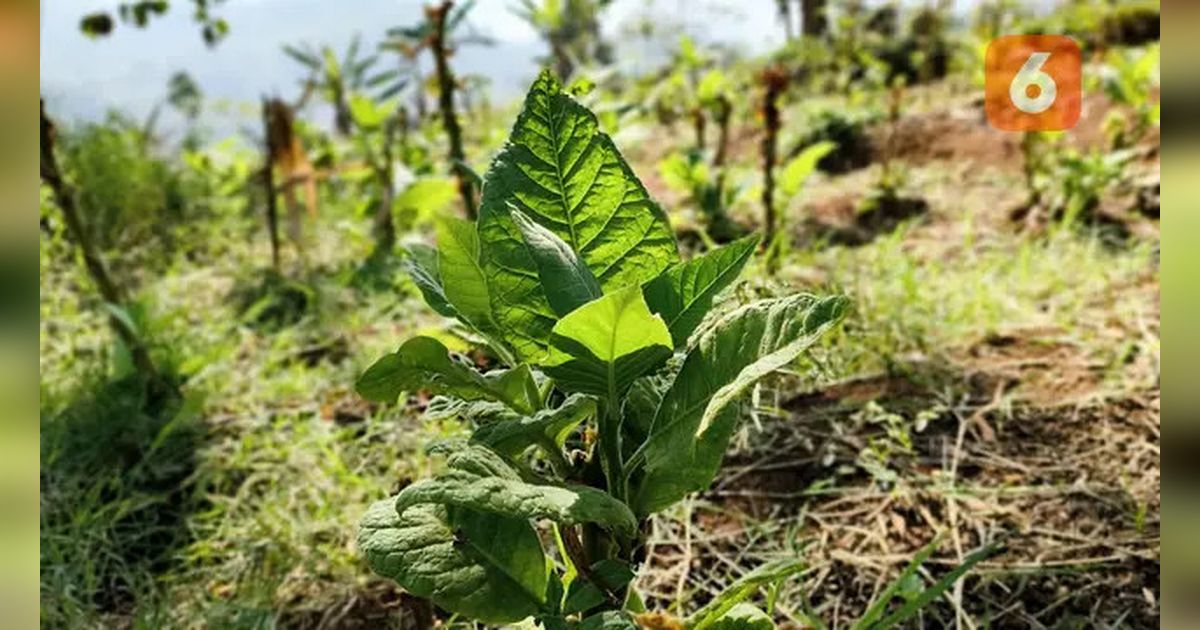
column 724, row 109
column 446, row 86
column 774, row 80
column 110, row 291
column 286, row 153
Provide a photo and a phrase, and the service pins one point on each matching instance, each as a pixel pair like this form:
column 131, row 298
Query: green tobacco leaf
column 480, row 480
column 424, row 363
column 743, row 617
column 797, row 171
column 587, row 593
column 582, row 596
column 479, row 565
column 549, row 427
column 462, row 276
column 567, row 282
column 641, row 402
column 684, row 293
column 697, row 416
column 562, row 172
column 478, row 412
column 476, row 460
column 601, row 347
column 743, row 587
column 609, row 620
column 422, row 266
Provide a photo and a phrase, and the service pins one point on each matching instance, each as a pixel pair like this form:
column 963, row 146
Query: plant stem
column 64, row 196
column 583, row 564
column 441, row 54
column 384, row 227
column 610, row 446
column 723, row 111
column 558, row 462
column 699, row 123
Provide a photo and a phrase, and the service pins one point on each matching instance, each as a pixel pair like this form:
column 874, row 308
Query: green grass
column 913, row 301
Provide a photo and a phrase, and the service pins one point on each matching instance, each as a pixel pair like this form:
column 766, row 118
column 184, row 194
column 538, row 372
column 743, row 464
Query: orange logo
column 1033, row 83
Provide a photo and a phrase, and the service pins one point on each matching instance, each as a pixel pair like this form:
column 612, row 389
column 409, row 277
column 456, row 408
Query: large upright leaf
column 684, row 293
column 422, row 266
column 483, row 566
column 697, row 416
column 565, row 174
column 567, row 282
column 548, row 428
column 424, row 363
column 601, row 347
column 461, row 271
column 479, row 480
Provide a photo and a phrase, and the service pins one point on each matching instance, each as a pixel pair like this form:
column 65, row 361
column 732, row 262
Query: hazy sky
column 129, row 69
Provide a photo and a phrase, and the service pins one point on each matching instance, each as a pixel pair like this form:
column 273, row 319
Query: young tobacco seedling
column 572, row 276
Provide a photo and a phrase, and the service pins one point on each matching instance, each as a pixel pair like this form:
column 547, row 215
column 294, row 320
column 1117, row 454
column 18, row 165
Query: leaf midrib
column 562, row 185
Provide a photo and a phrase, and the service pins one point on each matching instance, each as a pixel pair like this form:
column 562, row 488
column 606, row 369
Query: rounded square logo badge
column 1033, row 83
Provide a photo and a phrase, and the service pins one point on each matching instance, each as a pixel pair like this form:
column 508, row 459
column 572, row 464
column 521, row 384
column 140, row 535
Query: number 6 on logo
column 1031, row 75
column 1032, row 83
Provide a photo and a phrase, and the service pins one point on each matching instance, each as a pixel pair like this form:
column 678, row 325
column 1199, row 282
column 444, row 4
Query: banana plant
column 337, row 80
column 619, row 395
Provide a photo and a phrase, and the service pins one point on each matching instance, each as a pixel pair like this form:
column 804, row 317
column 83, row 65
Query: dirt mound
column 962, row 134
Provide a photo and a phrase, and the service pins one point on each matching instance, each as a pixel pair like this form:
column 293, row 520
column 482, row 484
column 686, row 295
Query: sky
column 82, row 78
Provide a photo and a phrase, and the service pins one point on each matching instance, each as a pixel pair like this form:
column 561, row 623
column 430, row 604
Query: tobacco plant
column 618, row 399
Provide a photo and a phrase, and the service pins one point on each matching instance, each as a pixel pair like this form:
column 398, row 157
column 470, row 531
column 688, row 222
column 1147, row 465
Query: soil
column 848, row 219
column 1067, row 481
